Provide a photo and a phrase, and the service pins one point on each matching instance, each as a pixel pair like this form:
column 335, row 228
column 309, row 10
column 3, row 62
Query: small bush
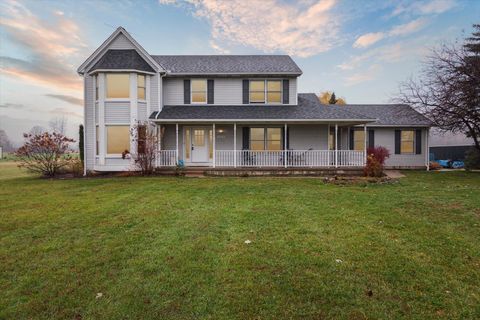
column 472, row 159
column 375, row 161
column 435, row 165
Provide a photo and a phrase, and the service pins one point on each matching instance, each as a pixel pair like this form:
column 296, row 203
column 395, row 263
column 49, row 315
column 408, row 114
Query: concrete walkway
column 394, row 174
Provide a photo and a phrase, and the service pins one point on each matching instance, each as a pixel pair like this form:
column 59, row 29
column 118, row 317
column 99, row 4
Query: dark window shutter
column 246, row 138
column 371, row 138
column 286, row 93
column 210, row 85
column 418, row 141
column 352, row 142
column 398, row 134
column 186, row 91
column 245, row 91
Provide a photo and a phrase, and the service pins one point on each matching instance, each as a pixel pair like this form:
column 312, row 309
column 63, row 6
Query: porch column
column 328, row 145
column 176, row 143
column 285, row 145
column 235, row 145
column 427, row 149
column 365, row 143
column 213, row 140
column 336, row 145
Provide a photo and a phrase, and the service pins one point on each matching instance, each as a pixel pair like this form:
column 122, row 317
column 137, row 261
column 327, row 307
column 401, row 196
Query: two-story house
column 232, row 111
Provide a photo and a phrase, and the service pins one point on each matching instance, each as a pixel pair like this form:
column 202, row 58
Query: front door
column 199, row 144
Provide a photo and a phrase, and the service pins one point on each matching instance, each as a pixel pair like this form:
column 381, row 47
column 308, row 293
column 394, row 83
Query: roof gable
column 119, row 39
column 122, row 59
column 390, row 114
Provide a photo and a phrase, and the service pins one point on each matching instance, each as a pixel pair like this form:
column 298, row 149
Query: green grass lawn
column 174, row 248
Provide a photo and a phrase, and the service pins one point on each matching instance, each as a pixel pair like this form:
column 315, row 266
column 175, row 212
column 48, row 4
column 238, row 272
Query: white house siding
column 89, row 122
column 117, row 112
column 142, row 111
column 385, row 137
column 121, row 42
column 227, row 91
column 172, row 91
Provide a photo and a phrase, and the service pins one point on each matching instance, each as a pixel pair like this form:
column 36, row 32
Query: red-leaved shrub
column 375, row 161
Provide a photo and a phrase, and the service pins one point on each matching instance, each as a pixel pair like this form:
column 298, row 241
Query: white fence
column 270, row 159
column 166, row 158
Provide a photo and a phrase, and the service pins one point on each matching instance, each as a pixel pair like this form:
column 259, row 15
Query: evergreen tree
column 333, row 99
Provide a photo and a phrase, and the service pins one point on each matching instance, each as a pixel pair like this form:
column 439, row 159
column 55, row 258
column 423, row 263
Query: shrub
column 147, row 147
column 44, row 153
column 375, row 161
column 435, row 165
column 472, row 159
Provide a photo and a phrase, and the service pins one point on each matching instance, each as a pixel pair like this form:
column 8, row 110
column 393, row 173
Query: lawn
column 174, row 248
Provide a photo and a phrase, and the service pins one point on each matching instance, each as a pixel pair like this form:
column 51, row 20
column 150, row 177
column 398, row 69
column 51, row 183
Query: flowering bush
column 44, row 153
column 375, row 161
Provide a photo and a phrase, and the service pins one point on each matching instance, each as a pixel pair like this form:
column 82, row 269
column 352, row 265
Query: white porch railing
column 294, row 158
column 166, row 158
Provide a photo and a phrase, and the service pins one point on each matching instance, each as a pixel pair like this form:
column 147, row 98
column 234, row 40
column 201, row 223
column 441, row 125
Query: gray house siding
column 227, row 91
column 385, row 137
column 117, row 112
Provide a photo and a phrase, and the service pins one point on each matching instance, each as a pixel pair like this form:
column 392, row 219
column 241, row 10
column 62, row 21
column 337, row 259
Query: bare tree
column 36, row 130
column 447, row 90
column 147, row 139
column 58, row 125
column 5, row 142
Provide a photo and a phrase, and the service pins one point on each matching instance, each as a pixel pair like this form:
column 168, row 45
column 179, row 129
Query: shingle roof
column 228, row 64
column 122, row 59
column 308, row 108
column 390, row 114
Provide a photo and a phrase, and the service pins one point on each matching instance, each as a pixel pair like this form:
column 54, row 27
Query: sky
column 361, row 50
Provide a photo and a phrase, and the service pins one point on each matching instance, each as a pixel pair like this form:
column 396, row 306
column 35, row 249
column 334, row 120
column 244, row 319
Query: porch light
column 220, row 130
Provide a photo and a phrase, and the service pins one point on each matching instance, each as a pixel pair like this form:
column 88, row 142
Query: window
column 141, row 87
column 358, row 140
column 97, row 136
column 331, row 139
column 118, row 85
column 257, row 91
column 118, row 139
column 210, row 144
column 407, row 141
column 269, row 89
column 142, row 138
column 265, row 139
column 96, row 88
column 199, row 91
column 187, row 144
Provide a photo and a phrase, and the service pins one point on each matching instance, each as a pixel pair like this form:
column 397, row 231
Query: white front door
column 199, row 145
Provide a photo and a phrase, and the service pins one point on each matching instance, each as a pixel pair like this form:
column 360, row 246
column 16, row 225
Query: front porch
column 319, row 145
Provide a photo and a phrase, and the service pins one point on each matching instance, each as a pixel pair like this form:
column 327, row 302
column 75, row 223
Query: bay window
column 141, row 87
column 118, row 85
column 118, row 139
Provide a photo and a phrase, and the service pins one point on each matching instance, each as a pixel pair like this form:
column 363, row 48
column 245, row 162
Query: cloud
column 301, row 28
column 408, row 28
column 65, row 112
column 52, row 46
column 368, row 39
column 67, row 98
column 12, row 105
column 360, row 77
column 424, row 7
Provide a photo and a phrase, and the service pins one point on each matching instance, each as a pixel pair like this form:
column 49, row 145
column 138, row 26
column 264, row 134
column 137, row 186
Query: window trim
column 115, row 155
column 106, row 87
column 265, row 88
column 191, row 91
column 414, row 142
column 265, row 138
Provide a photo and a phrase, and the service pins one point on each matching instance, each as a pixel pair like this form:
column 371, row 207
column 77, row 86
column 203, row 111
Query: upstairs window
column 407, row 142
column 199, row 91
column 265, row 91
column 118, row 85
column 141, row 87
